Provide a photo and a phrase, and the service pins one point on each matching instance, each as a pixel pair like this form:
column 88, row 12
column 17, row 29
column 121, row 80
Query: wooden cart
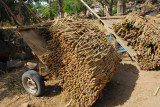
column 33, row 81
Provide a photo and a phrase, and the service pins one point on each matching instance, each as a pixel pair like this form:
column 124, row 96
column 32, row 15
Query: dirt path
column 130, row 87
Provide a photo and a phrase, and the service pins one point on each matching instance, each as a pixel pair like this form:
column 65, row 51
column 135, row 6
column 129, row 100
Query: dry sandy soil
column 130, row 87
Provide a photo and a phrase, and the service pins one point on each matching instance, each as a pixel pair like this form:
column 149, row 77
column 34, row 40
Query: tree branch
column 9, row 10
column 30, row 10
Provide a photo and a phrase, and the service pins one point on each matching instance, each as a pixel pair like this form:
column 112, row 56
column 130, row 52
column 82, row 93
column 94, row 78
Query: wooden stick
column 40, row 70
column 156, row 91
column 68, row 103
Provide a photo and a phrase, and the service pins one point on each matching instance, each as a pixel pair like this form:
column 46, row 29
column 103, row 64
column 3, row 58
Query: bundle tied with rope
column 81, row 58
column 144, row 37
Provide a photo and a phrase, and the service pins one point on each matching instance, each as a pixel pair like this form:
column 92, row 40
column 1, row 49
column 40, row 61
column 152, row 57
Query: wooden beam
column 8, row 28
column 113, row 17
column 20, row 28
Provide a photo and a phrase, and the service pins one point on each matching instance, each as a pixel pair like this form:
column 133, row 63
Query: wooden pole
column 40, row 70
column 30, row 10
column 91, row 10
column 9, row 10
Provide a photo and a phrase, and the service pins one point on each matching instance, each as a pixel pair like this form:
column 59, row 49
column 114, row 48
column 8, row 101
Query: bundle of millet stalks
column 144, row 37
column 81, row 58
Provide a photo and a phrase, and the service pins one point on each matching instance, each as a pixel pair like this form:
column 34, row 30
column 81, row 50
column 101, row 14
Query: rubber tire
column 38, row 79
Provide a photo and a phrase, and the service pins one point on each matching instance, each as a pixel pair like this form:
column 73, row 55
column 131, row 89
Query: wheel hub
column 31, row 85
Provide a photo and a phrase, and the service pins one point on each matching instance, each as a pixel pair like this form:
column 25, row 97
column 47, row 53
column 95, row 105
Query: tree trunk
column 120, row 7
column 11, row 18
column 20, row 12
column 60, row 9
column 103, row 6
column 154, row 1
column 151, row 1
column 9, row 10
column 148, row 1
column 110, row 7
column 50, row 10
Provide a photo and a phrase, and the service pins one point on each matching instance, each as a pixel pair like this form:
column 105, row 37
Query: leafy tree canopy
column 44, row 9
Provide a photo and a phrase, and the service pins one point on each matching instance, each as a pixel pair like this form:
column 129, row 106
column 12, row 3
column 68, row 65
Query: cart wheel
column 33, row 83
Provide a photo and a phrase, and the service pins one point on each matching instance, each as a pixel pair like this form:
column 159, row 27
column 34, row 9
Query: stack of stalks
column 81, row 58
column 144, row 38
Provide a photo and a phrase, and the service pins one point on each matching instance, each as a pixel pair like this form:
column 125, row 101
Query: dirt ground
column 130, row 87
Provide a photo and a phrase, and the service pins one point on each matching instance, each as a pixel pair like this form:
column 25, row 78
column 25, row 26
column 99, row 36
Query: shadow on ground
column 52, row 90
column 157, row 68
column 11, row 84
column 120, row 88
